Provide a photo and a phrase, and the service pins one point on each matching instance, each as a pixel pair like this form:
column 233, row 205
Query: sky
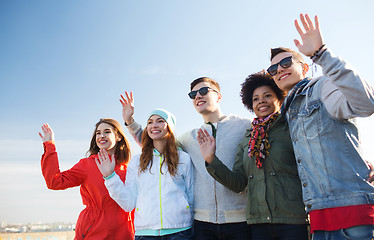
column 67, row 63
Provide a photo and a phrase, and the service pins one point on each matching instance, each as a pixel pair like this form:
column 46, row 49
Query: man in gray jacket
column 219, row 213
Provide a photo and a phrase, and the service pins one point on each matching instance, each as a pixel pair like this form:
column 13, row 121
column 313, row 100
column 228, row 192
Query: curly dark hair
column 254, row 81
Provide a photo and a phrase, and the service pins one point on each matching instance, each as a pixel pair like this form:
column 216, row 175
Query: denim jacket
column 327, row 149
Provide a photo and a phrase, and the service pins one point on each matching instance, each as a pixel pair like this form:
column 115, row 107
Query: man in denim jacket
column 321, row 113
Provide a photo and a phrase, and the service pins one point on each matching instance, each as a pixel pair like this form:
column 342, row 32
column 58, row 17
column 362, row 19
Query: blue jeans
column 183, row 235
column 362, row 232
column 227, row 231
column 279, row 231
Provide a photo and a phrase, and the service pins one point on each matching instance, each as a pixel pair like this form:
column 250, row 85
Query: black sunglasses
column 203, row 91
column 284, row 63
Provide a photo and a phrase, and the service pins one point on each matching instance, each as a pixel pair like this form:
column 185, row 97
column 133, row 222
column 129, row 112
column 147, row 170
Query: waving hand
column 127, row 107
column 48, row 133
column 311, row 38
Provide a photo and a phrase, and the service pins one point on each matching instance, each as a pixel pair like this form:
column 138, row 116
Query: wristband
column 317, row 54
column 110, row 176
column 128, row 124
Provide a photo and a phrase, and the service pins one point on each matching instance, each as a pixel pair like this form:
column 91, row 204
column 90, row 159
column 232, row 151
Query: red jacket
column 102, row 218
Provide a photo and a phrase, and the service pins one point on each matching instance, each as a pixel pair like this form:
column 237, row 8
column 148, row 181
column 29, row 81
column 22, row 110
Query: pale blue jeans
column 362, row 232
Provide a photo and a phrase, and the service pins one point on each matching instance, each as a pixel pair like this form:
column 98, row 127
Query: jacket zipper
column 215, row 199
column 215, row 182
column 84, row 235
column 159, row 186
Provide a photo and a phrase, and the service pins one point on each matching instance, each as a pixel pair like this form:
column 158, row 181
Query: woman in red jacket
column 102, row 218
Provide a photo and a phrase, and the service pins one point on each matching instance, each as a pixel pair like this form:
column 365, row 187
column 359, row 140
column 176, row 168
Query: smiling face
column 287, row 78
column 106, row 137
column 157, row 127
column 265, row 101
column 208, row 103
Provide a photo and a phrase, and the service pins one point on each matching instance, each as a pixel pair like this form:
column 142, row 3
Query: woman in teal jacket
column 265, row 164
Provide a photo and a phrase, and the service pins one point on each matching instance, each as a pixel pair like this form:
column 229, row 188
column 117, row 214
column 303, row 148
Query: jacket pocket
column 88, row 229
column 310, row 119
column 85, row 224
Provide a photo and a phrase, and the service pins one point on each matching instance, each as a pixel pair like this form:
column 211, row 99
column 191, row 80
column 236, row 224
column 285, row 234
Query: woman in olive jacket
column 265, row 164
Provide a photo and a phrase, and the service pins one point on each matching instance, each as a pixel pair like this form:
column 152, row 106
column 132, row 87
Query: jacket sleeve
column 124, row 194
column 189, row 178
column 344, row 93
column 54, row 178
column 136, row 131
column 235, row 180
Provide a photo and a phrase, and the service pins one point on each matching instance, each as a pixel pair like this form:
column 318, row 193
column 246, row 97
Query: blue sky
column 67, row 62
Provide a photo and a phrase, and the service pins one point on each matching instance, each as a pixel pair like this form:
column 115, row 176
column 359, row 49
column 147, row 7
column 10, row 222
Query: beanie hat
column 167, row 116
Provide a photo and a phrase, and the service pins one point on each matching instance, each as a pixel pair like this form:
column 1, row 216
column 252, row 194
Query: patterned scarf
column 258, row 143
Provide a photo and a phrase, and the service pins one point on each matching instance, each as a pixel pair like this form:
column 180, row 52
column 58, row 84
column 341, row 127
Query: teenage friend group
column 294, row 172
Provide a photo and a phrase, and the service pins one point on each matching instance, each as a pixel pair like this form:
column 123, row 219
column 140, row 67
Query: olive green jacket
column 274, row 191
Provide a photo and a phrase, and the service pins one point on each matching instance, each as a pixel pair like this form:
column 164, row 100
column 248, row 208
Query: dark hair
column 276, row 51
column 171, row 156
column 205, row 79
column 122, row 150
column 254, row 81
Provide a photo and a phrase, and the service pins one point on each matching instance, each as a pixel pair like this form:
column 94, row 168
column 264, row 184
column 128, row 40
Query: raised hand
column 48, row 133
column 207, row 145
column 311, row 38
column 104, row 163
column 127, row 108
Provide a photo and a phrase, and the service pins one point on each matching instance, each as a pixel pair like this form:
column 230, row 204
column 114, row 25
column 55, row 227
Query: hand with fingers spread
column 311, row 38
column 104, row 163
column 127, row 107
column 207, row 145
column 48, row 133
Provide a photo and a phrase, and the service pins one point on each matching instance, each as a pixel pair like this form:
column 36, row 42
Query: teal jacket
column 273, row 191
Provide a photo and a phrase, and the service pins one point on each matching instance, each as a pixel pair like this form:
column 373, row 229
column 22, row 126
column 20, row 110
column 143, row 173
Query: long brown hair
column 122, row 149
column 171, row 157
